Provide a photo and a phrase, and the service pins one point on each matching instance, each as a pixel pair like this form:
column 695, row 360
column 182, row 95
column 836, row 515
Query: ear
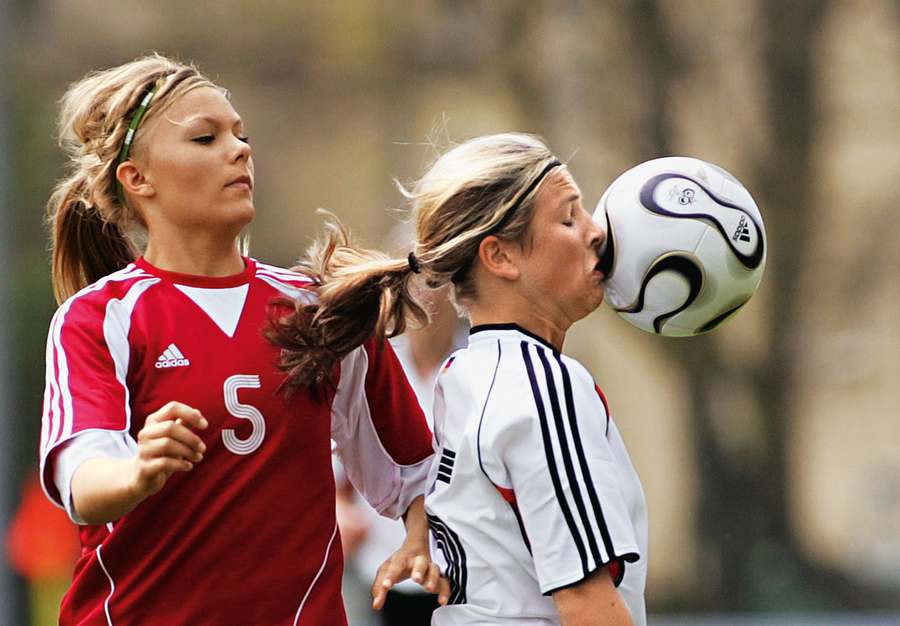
column 133, row 181
column 497, row 258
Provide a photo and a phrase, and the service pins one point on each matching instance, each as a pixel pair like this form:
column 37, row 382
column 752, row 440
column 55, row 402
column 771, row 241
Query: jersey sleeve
column 552, row 452
column 83, row 447
column 86, row 366
column 379, row 430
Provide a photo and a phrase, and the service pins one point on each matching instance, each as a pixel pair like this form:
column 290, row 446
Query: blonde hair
column 88, row 221
column 485, row 186
column 471, row 191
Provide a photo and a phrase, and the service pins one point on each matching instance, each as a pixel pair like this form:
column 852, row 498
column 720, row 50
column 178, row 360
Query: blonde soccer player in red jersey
column 203, row 490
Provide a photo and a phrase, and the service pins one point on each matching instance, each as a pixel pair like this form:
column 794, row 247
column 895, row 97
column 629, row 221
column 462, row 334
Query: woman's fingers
column 167, row 444
column 390, row 573
column 433, row 578
column 420, row 569
column 167, row 466
column 153, row 474
column 176, row 430
column 443, row 591
column 169, row 447
column 176, row 411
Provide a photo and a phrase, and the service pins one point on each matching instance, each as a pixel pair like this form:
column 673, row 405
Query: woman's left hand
column 411, row 560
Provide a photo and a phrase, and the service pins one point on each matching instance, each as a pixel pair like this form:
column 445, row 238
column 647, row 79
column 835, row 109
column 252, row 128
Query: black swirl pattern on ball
column 751, row 261
column 608, row 254
column 720, row 318
column 682, row 266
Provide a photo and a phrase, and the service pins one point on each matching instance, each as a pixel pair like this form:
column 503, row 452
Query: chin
column 241, row 216
column 595, row 299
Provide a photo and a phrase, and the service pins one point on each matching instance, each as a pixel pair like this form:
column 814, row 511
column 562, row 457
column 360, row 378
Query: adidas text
column 172, row 363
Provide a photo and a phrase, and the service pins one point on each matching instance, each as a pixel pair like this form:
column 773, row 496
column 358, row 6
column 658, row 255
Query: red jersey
column 249, row 535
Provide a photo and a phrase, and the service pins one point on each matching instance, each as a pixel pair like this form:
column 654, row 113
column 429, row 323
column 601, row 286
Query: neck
column 200, row 254
column 522, row 313
column 429, row 346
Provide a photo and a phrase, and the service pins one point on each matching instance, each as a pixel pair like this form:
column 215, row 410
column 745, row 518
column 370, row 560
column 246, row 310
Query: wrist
column 135, row 488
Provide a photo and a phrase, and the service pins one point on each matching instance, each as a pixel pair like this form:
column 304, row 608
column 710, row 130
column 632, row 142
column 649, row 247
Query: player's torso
column 245, row 533
column 476, row 536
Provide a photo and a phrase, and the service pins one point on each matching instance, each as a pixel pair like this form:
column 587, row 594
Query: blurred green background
column 769, row 449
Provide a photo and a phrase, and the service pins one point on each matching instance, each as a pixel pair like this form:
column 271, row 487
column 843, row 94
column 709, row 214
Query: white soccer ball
column 686, row 246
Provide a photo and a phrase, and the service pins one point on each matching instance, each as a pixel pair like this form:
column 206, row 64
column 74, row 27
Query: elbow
column 594, row 601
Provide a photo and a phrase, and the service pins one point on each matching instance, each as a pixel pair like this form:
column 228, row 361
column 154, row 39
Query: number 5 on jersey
column 243, row 411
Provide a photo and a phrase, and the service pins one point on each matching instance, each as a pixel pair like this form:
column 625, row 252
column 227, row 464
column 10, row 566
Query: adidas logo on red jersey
column 171, row 357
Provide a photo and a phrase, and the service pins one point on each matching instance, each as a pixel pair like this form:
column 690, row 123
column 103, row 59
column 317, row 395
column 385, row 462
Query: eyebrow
column 212, row 120
column 570, row 198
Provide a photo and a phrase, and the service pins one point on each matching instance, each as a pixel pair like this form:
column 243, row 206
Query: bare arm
column 412, row 560
column 105, row 489
column 594, row 601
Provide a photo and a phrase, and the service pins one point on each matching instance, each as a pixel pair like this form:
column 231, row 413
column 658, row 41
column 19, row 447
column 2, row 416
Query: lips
column 606, row 257
column 242, row 180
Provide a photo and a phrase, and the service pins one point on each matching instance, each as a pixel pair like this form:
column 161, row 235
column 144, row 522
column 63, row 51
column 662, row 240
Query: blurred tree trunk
column 753, row 561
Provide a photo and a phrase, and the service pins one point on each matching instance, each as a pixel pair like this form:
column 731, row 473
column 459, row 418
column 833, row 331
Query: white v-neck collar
column 223, row 306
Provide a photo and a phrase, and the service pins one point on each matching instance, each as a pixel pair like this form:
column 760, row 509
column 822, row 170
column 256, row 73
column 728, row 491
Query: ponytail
column 361, row 294
column 85, row 247
column 98, row 120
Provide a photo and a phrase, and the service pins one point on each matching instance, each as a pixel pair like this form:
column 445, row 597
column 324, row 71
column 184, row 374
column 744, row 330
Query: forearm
column 416, row 522
column 593, row 616
column 104, row 489
column 594, row 601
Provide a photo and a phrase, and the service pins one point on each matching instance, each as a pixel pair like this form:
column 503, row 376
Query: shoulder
column 264, row 270
column 495, row 379
column 287, row 282
column 583, row 382
column 559, row 387
column 94, row 300
column 578, row 373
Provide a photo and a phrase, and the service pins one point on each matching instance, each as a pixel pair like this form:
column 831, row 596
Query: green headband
column 129, row 136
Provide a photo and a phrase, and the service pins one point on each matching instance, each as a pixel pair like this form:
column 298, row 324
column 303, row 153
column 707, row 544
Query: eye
column 204, row 139
column 245, row 138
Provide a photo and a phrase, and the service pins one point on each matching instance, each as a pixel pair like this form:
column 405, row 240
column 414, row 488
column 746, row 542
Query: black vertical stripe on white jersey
column 483, row 408
column 551, row 460
column 450, row 546
column 566, row 451
column 582, row 461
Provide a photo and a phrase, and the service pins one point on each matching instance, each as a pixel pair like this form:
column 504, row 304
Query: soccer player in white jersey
column 535, row 508
column 203, row 491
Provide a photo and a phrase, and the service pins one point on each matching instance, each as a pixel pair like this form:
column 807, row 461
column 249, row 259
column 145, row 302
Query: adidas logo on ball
column 171, row 357
column 743, row 231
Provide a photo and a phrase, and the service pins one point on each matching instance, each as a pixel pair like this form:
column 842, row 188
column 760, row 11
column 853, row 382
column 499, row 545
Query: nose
column 242, row 150
column 596, row 234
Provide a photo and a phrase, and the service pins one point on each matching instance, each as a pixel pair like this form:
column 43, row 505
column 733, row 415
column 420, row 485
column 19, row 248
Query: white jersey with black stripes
column 532, row 488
